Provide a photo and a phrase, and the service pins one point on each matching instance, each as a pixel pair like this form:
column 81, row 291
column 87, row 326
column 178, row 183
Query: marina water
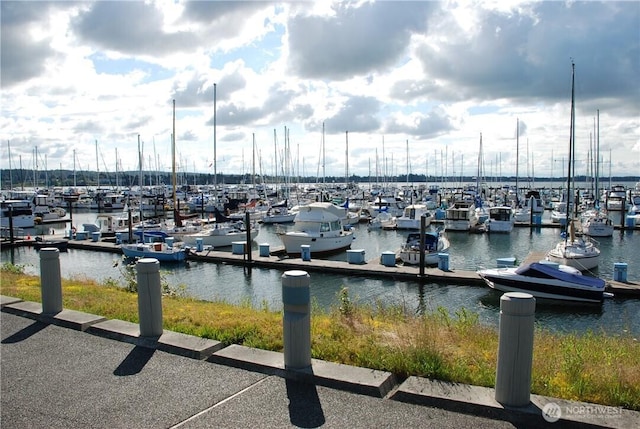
column 262, row 287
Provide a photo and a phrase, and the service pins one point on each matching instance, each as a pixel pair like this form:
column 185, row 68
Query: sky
column 371, row 88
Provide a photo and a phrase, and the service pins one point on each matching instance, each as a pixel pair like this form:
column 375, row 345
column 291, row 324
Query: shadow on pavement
column 135, row 361
column 25, row 333
column 305, row 410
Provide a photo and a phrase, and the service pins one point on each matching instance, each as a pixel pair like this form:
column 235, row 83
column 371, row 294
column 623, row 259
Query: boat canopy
column 539, row 270
column 430, row 240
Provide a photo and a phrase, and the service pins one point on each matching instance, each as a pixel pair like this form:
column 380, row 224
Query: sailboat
column 576, row 252
column 596, row 222
column 152, row 245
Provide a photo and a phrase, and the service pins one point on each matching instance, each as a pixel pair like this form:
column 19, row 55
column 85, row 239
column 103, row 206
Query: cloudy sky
column 399, row 86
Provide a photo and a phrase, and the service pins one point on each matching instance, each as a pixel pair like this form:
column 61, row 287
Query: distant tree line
column 19, row 178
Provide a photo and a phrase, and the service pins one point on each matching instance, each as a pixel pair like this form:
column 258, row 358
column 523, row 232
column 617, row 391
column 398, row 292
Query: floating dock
column 372, row 268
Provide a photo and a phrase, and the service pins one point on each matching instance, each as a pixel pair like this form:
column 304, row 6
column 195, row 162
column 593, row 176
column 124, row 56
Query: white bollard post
column 149, row 297
column 515, row 349
column 296, row 298
column 50, row 281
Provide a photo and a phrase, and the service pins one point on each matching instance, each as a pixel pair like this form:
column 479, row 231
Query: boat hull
column 434, row 244
column 499, row 226
column 279, row 218
column 61, row 245
column 575, row 256
column 599, row 230
column 221, row 240
column 317, row 244
column 21, row 221
column 412, row 257
column 150, row 250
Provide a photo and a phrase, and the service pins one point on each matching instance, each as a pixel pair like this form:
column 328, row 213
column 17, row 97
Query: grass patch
column 591, row 367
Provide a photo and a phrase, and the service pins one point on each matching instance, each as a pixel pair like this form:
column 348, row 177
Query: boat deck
column 277, row 259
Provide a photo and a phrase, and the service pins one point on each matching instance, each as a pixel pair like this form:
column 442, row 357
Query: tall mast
column 275, row 158
column 479, row 171
column 176, row 209
column 323, row 157
column 346, row 159
column 97, row 165
column 117, row 180
column 253, row 162
column 570, row 211
column 140, row 186
column 22, row 178
column 215, row 166
column 10, row 172
column 407, row 150
column 35, row 169
column 597, row 159
column 517, row 158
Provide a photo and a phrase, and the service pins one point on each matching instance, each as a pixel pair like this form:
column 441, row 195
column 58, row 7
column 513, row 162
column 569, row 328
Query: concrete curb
column 334, row 375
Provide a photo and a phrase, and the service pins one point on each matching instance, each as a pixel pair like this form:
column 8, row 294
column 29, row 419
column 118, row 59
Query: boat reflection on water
column 546, row 307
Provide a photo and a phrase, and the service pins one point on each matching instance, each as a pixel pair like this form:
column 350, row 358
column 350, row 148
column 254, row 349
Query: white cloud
column 435, row 74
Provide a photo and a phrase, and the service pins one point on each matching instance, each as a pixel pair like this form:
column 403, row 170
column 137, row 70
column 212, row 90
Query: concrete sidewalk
column 80, row 370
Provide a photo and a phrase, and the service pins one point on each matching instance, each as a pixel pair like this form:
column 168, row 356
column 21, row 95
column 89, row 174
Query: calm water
column 262, row 287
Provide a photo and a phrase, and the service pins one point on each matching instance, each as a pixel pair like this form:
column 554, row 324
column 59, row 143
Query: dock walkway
column 372, row 268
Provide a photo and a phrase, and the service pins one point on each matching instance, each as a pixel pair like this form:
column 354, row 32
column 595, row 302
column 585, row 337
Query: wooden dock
column 372, row 268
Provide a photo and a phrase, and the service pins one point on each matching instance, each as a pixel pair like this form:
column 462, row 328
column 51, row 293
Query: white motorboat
column 279, row 213
column 222, row 233
column 434, row 243
column 501, row 219
column 110, row 223
column 320, row 226
column 412, row 215
column 548, row 281
column 18, row 213
column 616, row 197
column 383, row 221
column 532, row 205
column 596, row 223
column 460, row 216
column 559, row 213
column 635, row 204
column 44, row 208
column 158, row 250
column 384, row 204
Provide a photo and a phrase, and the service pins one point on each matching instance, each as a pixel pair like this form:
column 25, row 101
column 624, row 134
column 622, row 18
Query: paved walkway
column 76, row 370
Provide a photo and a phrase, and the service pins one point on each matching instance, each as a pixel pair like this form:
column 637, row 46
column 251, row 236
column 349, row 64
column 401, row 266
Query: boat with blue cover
column 548, row 281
